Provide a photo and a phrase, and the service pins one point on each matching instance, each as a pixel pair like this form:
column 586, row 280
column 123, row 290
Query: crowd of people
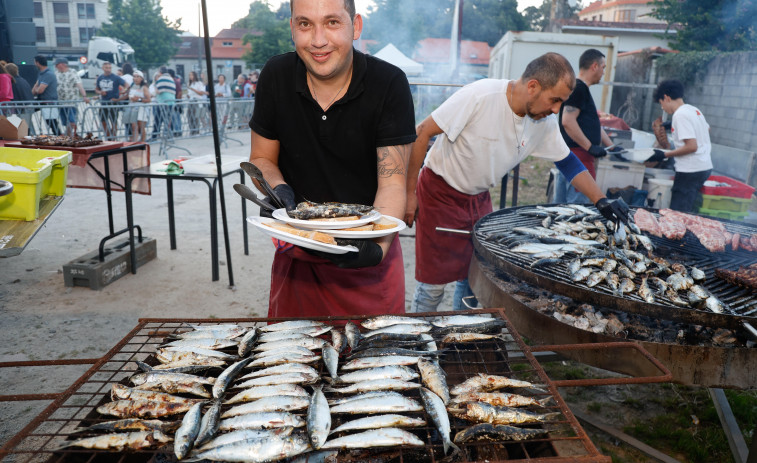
column 123, row 94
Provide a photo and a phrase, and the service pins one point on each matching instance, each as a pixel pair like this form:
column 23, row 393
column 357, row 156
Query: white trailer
column 100, row 50
column 515, row 50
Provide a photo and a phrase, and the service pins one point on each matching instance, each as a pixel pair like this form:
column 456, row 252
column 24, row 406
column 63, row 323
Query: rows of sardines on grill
column 598, row 252
column 381, row 381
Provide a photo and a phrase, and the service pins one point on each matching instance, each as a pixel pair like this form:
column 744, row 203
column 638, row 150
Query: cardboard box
column 13, row 128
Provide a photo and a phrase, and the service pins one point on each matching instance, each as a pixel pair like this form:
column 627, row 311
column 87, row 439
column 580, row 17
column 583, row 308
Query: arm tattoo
column 392, row 160
column 570, row 109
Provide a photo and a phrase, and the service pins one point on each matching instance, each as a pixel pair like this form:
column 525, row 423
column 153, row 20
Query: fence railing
column 165, row 123
column 151, row 122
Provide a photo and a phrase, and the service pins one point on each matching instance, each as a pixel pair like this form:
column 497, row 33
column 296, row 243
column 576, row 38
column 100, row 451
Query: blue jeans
column 567, row 193
column 427, row 297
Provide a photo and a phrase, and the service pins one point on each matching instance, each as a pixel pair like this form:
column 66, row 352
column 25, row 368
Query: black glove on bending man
column 597, row 151
column 369, row 254
column 658, row 156
column 614, row 211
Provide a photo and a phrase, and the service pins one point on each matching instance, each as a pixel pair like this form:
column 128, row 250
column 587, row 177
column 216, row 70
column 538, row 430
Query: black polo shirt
column 588, row 119
column 331, row 156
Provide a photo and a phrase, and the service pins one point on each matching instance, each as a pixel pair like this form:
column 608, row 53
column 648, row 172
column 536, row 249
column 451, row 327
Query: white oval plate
column 258, row 222
column 399, row 225
column 281, row 214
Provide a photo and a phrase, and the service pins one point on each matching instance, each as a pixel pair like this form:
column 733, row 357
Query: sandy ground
column 43, row 319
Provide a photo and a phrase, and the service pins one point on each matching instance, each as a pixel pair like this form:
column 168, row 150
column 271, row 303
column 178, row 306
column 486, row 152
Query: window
column 60, row 12
column 86, row 33
column 63, row 36
column 85, row 10
column 37, row 9
column 180, row 71
column 626, row 16
column 186, row 45
column 228, row 44
column 41, row 35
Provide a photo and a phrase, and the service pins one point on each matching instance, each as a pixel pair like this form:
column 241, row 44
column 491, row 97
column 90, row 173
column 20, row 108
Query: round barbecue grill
column 494, row 266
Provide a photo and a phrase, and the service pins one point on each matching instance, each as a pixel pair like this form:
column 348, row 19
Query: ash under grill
column 741, row 302
column 508, row 356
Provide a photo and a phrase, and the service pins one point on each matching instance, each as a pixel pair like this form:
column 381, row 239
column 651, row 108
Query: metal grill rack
column 741, row 302
column 41, row 439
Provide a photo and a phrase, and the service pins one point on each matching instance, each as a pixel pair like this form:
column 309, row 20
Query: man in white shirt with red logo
column 691, row 137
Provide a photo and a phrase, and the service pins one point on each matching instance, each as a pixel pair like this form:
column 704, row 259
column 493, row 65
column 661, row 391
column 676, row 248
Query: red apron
column 303, row 285
column 442, row 257
column 587, row 160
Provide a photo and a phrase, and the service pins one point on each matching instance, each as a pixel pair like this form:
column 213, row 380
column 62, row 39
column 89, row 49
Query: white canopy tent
column 391, row 54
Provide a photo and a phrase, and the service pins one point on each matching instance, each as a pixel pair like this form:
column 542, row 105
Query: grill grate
column 508, row 356
column 741, row 301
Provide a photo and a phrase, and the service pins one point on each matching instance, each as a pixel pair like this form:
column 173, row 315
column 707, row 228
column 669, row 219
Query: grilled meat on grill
column 307, row 210
column 744, row 276
column 497, row 432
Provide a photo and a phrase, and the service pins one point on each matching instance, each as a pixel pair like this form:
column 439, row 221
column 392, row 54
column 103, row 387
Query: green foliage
column 141, row 24
column 724, row 25
column 688, row 67
column 538, row 18
column 272, row 34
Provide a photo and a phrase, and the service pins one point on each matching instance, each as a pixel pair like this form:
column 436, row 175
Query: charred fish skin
column 436, row 410
column 318, row 419
column 596, row 278
column 389, row 351
column 500, row 399
column 485, row 413
column 497, row 432
column 487, row 383
column 121, row 441
column 187, row 432
column 581, row 275
column 368, row 362
column 133, row 424
column 645, row 292
column 672, row 294
column 698, row 275
column 142, row 408
column 613, row 282
column 338, row 340
column 714, row 304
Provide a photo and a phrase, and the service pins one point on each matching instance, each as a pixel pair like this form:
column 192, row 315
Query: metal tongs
column 254, row 172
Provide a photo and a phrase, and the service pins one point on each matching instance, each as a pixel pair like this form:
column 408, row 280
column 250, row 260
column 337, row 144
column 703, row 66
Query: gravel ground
column 42, row 319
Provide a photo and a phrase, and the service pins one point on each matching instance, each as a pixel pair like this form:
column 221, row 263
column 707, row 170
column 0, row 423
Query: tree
column 142, row 25
column 705, row 25
column 539, row 18
column 272, row 35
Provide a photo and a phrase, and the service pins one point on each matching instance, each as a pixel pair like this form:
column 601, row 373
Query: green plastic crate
column 725, row 203
column 23, row 202
column 730, row 215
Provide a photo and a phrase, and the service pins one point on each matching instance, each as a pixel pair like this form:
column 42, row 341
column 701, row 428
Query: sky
column 224, row 12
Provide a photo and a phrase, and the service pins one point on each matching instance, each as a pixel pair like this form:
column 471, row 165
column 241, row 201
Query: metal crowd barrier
column 164, row 123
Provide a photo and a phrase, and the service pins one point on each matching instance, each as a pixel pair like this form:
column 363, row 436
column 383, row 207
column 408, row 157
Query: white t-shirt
column 198, row 85
column 129, row 79
column 136, row 91
column 689, row 122
column 481, row 137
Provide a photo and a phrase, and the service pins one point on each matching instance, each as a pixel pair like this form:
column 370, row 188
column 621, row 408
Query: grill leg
column 730, row 427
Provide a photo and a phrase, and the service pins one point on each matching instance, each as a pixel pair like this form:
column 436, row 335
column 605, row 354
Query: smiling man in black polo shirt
column 332, row 124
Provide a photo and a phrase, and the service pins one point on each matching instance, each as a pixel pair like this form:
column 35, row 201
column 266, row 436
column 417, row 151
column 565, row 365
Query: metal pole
column 216, row 139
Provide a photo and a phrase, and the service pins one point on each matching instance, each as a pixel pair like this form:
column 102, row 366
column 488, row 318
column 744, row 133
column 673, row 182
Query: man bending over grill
column 333, row 124
column 487, row 128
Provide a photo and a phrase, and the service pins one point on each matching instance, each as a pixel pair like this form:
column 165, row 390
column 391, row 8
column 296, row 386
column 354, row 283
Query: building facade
column 226, row 48
column 63, row 27
column 622, row 11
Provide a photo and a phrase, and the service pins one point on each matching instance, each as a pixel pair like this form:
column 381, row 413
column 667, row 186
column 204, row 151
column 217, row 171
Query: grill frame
column 43, row 435
column 517, row 265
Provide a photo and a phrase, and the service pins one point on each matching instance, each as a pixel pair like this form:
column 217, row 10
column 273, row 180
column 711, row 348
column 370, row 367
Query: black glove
column 614, row 211
column 667, row 125
column 658, row 156
column 265, row 212
column 597, row 151
column 369, row 254
column 286, row 195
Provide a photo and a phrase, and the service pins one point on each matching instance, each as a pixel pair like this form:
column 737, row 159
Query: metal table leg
column 213, row 229
column 171, row 220
column 244, row 218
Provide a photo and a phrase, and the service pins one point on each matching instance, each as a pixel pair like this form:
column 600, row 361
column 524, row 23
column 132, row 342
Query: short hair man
column 485, row 129
column 69, row 89
column 579, row 124
column 333, row 124
column 110, row 87
column 691, row 137
column 46, row 89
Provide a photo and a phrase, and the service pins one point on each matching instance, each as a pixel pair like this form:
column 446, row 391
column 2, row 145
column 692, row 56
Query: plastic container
column 660, row 191
column 725, row 203
column 55, row 184
column 730, row 215
column 735, row 190
column 23, row 202
column 612, row 174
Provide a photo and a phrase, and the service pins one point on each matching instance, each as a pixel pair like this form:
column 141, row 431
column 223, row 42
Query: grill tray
column 74, row 408
column 556, row 278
